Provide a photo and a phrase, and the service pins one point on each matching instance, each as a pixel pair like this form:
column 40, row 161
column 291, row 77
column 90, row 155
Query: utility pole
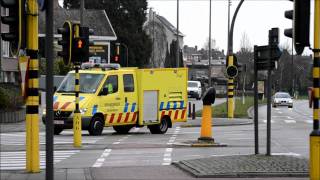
column 209, row 69
column 32, row 102
column 315, row 134
column 231, row 63
column 178, row 46
column 49, row 91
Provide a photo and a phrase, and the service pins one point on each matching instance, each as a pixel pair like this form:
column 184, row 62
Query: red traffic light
column 79, row 44
column 116, row 58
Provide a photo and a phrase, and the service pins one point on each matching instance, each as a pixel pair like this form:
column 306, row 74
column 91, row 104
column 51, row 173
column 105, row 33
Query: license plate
column 58, row 122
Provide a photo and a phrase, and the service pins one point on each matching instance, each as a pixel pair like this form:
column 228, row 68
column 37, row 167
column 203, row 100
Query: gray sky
column 255, row 18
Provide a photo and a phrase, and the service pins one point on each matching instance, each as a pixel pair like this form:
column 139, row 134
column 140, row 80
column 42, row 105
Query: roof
column 95, row 19
column 169, row 25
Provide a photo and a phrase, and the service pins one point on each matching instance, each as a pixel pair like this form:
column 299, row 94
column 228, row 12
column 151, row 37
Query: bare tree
column 245, row 45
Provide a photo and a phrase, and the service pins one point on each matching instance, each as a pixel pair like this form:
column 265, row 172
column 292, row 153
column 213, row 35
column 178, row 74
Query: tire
column 274, row 106
column 57, row 130
column 290, row 106
column 122, row 129
column 160, row 128
column 96, row 126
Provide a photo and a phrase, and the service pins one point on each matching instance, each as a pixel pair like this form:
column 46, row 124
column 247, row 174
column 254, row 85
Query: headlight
column 83, row 111
column 44, row 111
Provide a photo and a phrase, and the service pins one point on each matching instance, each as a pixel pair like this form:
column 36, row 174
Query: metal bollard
column 194, row 111
column 189, row 110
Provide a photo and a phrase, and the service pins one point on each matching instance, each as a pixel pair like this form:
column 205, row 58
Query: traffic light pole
column 230, row 63
column 32, row 100
column 49, row 91
column 77, row 139
column 315, row 134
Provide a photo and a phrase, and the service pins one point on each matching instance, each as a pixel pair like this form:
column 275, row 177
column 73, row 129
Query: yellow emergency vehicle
column 122, row 98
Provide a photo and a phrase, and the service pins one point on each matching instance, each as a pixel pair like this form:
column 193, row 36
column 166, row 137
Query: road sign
column 23, row 66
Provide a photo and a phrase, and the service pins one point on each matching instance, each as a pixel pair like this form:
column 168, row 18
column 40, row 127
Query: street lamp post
column 178, row 48
column 209, row 70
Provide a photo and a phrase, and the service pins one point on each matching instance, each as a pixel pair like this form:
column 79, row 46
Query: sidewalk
column 134, row 172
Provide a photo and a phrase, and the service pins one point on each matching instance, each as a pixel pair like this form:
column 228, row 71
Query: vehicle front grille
column 61, row 114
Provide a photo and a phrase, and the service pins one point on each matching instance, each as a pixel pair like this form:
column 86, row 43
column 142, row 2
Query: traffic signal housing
column 81, row 45
column 66, row 42
column 232, row 70
column 16, row 22
column 300, row 30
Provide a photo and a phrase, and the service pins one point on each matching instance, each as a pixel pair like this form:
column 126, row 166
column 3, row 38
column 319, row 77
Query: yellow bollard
column 230, row 90
column 206, row 125
column 77, row 130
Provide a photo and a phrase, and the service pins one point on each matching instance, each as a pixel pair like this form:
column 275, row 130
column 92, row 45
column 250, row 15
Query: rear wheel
column 122, row 129
column 160, row 128
column 96, row 126
column 57, row 130
column 290, row 106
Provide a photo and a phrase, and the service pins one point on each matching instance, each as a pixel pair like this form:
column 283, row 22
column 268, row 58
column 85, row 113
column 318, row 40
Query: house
column 162, row 33
column 95, row 19
column 9, row 72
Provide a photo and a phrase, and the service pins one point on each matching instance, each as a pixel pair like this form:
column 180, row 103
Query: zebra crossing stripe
column 17, row 160
column 290, row 121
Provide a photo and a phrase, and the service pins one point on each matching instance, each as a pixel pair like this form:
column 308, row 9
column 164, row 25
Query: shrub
column 10, row 98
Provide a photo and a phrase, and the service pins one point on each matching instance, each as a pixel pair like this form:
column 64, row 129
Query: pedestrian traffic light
column 116, row 59
column 300, row 30
column 16, row 22
column 66, row 42
column 82, row 44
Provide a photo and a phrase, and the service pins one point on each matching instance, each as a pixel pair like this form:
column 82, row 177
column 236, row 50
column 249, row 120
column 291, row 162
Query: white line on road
column 290, row 121
column 265, row 121
column 102, row 158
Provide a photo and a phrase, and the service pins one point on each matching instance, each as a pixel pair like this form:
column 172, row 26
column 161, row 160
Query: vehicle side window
column 128, row 83
column 111, row 84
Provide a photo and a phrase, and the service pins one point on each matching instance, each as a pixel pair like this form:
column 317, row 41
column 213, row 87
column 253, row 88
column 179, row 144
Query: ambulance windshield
column 88, row 83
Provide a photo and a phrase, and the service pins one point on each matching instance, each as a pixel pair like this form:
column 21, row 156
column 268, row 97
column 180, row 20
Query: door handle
column 117, row 98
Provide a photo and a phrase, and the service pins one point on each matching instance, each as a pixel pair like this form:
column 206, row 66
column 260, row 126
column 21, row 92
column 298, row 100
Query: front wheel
column 160, row 128
column 96, row 126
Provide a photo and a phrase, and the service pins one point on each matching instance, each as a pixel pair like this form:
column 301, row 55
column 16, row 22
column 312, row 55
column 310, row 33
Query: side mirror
column 54, row 88
column 104, row 92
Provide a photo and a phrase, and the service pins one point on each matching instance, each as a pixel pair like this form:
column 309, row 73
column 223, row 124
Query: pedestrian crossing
column 19, row 139
column 17, row 160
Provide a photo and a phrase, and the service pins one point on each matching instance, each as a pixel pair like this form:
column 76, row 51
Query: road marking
column 287, row 154
column 167, row 155
column 102, row 158
column 309, row 121
column 19, row 139
column 16, row 160
column 290, row 121
column 265, row 121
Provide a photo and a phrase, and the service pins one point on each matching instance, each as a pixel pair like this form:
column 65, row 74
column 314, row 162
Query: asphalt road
column 139, row 148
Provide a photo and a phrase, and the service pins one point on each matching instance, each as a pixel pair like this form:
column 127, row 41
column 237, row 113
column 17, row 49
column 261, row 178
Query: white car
column 194, row 89
column 282, row 99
